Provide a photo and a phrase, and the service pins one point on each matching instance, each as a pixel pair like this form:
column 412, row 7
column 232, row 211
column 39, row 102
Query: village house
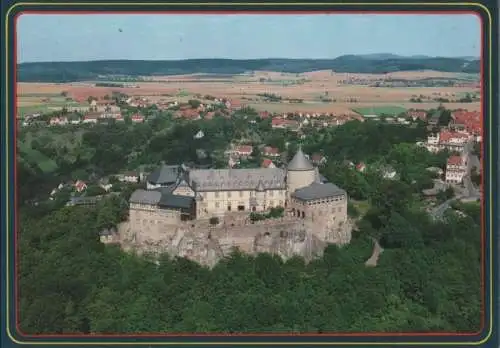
column 318, row 159
column 281, row 123
column 456, row 169
column 136, row 118
column 467, row 121
column 132, row 177
column 452, row 141
column 388, row 173
column 240, row 151
column 267, row 163
column 269, row 151
column 58, row 121
column 90, row 119
column 417, row 115
column 199, row 135
column 80, row 186
column 361, row 167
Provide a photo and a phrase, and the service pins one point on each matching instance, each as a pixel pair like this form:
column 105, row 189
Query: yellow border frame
column 487, row 35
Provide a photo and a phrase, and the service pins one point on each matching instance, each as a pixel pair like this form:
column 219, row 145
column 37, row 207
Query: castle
column 180, row 204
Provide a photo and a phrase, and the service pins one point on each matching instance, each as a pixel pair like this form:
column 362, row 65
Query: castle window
column 339, row 209
column 229, row 194
column 217, row 204
column 217, row 194
column 271, row 193
column 228, row 208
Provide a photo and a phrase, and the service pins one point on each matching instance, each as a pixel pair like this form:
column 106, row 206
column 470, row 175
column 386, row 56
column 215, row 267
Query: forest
column 81, row 71
column 427, row 279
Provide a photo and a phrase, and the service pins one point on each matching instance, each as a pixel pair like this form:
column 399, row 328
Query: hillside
column 375, row 64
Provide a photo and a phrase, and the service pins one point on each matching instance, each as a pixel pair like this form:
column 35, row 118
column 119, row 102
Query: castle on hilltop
column 179, row 202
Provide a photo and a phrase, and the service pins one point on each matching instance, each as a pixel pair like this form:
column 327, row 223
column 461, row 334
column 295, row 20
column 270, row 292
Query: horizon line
column 414, row 56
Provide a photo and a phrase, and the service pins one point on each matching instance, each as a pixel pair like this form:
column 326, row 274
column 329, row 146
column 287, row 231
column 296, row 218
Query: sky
column 173, row 36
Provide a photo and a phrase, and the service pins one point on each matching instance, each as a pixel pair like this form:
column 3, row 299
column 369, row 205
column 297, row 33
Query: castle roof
column 318, row 191
column 175, row 201
column 237, row 179
column 145, row 197
column 300, row 162
column 165, row 174
column 161, row 197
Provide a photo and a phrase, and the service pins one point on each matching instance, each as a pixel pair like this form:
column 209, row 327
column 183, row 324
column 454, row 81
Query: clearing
column 35, row 157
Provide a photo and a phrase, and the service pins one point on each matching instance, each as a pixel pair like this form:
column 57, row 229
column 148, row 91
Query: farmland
column 40, row 102
column 317, row 91
column 380, row 111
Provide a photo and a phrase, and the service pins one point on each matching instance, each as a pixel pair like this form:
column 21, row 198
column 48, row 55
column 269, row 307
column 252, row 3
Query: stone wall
column 207, row 244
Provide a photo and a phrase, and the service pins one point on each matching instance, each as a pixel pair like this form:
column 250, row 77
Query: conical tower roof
column 300, row 162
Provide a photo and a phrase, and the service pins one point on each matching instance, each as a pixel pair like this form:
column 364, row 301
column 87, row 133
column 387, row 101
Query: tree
column 194, row 104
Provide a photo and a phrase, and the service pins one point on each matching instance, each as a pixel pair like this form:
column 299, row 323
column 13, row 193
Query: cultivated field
column 321, row 91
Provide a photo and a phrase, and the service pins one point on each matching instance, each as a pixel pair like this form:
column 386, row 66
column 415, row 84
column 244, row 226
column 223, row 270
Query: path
column 377, row 250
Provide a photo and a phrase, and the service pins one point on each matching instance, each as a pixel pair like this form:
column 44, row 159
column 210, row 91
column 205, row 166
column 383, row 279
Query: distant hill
column 375, row 64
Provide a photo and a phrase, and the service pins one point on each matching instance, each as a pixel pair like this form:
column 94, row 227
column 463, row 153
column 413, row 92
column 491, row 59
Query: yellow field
column 310, row 87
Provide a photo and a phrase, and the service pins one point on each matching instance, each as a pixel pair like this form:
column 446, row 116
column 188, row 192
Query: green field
column 34, row 157
column 45, row 108
column 387, row 110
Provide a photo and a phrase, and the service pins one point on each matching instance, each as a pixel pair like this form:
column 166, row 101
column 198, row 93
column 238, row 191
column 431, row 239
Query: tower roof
column 300, row 162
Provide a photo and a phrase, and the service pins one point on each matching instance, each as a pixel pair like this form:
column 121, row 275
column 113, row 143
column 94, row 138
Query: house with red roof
column 361, row 167
column 267, row 163
column 91, row 118
column 446, row 139
column 456, row 169
column 264, row 114
column 281, row 123
column 136, row 118
column 80, row 186
column 58, row 121
column 467, row 121
column 240, row 151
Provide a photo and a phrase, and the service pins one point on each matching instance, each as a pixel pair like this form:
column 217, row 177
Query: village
column 458, row 136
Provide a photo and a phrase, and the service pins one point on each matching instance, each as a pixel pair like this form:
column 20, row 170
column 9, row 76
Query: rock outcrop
column 206, row 244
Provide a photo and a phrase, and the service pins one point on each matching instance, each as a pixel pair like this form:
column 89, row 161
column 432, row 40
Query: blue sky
column 165, row 37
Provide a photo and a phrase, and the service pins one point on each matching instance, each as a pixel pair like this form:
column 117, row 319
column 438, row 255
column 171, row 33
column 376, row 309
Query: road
column 471, row 192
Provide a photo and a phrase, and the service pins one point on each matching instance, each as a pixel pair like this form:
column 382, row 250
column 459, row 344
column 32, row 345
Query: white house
column 456, row 169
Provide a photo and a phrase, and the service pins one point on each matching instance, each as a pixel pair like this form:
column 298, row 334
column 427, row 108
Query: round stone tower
column 300, row 173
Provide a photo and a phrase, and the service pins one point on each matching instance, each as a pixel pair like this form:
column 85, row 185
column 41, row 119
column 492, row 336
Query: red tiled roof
column 266, row 163
column 79, row 185
column 244, row 149
column 360, row 165
column 455, row 161
column 446, row 136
